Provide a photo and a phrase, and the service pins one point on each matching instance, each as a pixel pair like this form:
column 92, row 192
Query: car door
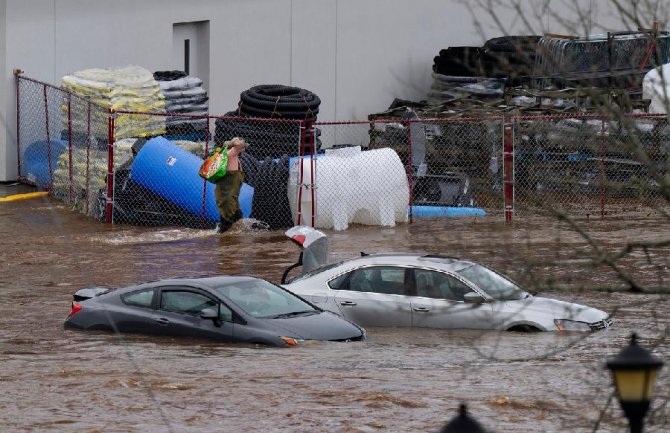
column 439, row 303
column 374, row 296
column 135, row 311
column 178, row 314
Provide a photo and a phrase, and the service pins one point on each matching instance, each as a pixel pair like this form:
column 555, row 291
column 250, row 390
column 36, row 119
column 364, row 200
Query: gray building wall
column 356, row 55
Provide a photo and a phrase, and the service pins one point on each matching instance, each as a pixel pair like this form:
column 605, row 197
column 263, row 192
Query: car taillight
column 75, row 309
column 289, row 341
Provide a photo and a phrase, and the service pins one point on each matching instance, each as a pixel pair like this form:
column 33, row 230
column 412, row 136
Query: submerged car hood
column 560, row 309
column 322, row 326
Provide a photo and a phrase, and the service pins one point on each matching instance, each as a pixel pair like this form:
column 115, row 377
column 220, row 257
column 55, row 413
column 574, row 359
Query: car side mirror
column 473, row 298
column 209, row 313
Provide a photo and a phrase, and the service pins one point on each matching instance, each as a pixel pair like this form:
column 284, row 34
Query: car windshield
column 492, row 283
column 260, row 298
column 316, row 271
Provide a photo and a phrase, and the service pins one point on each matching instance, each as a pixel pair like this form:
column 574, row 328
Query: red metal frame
column 410, row 169
column 18, row 122
column 312, row 169
column 46, row 119
column 88, row 150
column 203, row 210
column 603, row 175
column 110, row 167
column 69, row 148
column 508, row 171
column 301, row 172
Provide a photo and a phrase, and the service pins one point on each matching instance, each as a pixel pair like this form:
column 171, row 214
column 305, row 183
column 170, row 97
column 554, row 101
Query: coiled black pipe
column 279, row 101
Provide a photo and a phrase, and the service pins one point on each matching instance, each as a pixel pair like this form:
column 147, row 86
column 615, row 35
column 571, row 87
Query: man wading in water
column 227, row 191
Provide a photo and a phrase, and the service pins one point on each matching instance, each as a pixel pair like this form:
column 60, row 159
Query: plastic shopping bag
column 214, row 166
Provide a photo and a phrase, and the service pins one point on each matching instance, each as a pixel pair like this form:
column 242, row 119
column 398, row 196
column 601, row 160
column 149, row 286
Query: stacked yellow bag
column 131, row 88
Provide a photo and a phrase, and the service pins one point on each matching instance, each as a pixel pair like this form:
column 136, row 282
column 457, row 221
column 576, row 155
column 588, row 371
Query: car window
column 336, row 283
column 260, row 298
column 185, row 301
column 141, row 298
column 316, row 271
column 377, row 279
column 492, row 283
column 439, row 285
column 225, row 313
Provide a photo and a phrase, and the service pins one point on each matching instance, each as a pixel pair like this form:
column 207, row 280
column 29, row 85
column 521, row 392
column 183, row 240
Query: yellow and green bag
column 214, row 166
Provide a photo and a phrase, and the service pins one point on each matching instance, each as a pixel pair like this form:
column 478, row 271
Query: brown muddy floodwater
column 399, row 380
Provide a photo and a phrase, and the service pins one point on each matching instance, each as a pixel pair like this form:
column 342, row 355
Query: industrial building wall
column 356, row 55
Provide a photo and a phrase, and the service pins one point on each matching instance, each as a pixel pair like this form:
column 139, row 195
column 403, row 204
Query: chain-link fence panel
column 82, row 170
column 157, row 181
column 458, row 163
column 39, row 129
column 332, row 174
column 589, row 165
column 450, row 163
column 62, row 144
column 350, row 180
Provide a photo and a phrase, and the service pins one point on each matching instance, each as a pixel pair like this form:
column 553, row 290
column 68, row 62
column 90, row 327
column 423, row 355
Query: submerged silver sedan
column 430, row 291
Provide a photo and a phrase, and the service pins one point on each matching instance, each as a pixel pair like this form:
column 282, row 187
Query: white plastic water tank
column 656, row 87
column 350, row 187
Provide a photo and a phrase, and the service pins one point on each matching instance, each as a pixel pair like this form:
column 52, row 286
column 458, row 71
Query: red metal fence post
column 203, row 211
column 69, row 147
column 88, row 152
column 312, row 166
column 603, row 175
column 110, row 165
column 410, row 170
column 508, row 170
column 46, row 114
column 17, row 74
column 301, row 172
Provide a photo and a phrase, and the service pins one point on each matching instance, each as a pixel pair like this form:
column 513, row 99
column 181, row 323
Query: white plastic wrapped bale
column 656, row 88
column 184, row 95
column 350, row 187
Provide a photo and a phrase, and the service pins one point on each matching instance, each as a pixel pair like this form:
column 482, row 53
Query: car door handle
column 163, row 321
column 421, row 309
column 348, row 303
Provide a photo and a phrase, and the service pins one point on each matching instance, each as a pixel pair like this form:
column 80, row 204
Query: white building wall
column 356, row 55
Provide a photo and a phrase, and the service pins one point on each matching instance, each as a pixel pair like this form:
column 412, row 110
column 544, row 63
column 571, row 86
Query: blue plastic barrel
column 172, row 172
column 35, row 160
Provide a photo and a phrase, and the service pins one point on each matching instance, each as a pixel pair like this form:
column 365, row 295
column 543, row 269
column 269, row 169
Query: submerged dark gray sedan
column 224, row 308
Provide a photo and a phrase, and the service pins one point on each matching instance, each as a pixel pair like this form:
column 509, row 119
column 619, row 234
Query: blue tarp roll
column 450, row 211
column 172, row 172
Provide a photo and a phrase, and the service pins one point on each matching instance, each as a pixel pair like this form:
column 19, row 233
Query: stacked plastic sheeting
column 131, row 88
column 656, row 88
column 184, row 96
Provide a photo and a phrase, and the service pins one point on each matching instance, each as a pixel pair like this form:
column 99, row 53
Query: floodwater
column 399, row 380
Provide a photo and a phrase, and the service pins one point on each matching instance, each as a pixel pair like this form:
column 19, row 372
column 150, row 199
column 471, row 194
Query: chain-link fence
column 141, row 167
column 590, row 165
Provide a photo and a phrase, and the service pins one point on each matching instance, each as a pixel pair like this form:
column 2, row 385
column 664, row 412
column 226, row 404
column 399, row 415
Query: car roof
column 211, row 281
column 443, row 261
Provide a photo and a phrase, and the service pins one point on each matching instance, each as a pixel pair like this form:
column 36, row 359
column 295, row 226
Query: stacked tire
column 281, row 134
